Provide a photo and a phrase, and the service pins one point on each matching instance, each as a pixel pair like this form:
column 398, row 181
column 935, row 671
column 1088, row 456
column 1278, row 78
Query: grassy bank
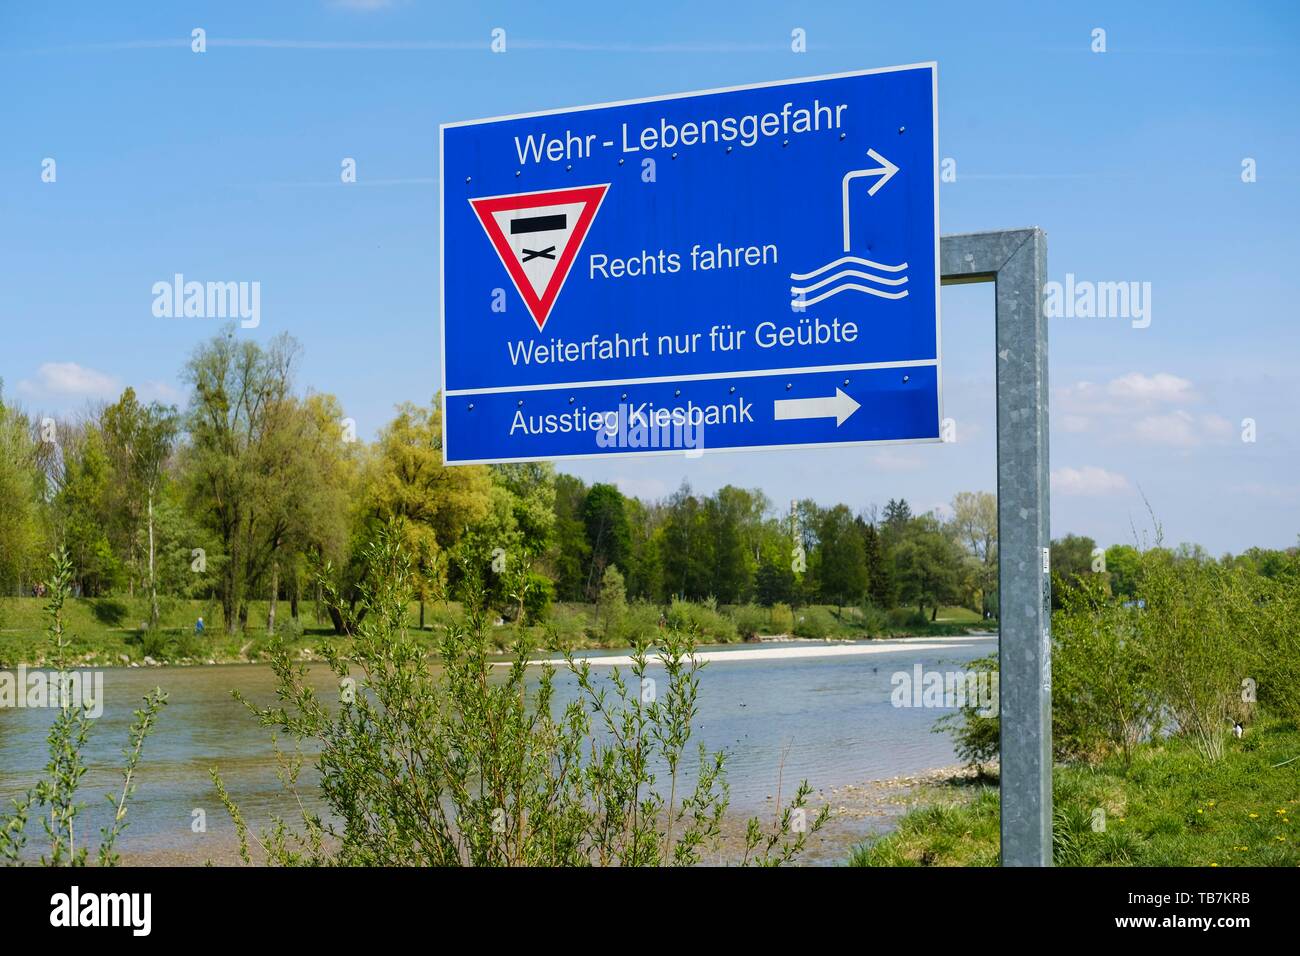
column 1169, row 807
column 111, row 631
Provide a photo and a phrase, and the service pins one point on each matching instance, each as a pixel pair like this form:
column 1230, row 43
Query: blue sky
column 225, row 165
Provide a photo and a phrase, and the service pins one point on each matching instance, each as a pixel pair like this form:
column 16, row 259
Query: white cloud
column 1090, row 481
column 70, row 380
column 1161, row 387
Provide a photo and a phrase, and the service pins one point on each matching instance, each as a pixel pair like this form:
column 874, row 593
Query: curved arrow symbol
column 838, row 406
column 885, row 171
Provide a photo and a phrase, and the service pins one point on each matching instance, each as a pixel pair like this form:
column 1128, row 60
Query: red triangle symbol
column 538, row 235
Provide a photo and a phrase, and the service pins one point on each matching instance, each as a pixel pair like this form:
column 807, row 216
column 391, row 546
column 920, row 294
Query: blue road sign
column 754, row 267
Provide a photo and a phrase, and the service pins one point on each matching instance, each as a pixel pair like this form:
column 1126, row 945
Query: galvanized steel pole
column 1016, row 261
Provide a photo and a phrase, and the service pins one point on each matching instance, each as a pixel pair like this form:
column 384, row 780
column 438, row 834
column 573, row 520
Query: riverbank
column 1168, row 807
column 109, row 632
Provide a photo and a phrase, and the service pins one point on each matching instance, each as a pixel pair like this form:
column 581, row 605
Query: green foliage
column 1207, row 635
column 926, row 565
column 611, row 604
column 975, row 735
column 841, row 558
column 814, row 622
column 1165, row 806
column 703, row 621
column 750, row 620
column 55, row 795
column 435, row 767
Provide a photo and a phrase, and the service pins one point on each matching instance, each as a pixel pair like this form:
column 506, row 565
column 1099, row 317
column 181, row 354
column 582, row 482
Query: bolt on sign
column 745, row 268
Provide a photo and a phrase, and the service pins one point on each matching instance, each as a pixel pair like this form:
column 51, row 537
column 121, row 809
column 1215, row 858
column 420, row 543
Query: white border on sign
column 931, row 65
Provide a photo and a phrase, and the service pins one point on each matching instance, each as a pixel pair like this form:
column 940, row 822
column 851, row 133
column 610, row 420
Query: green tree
column 608, row 535
column 21, row 486
column 570, row 554
column 842, row 566
column 611, row 603
column 432, row 505
column 927, row 566
column 975, row 524
column 81, row 508
column 139, row 440
column 1123, row 563
column 236, row 459
column 880, row 583
column 1071, row 559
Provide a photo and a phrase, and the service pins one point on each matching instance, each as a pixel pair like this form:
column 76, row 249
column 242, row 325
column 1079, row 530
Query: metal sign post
column 760, row 263
column 1016, row 261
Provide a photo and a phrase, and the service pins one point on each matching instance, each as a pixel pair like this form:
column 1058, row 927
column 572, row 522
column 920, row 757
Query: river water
column 829, row 720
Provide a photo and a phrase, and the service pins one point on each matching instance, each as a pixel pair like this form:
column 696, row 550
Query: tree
column 1123, row 564
column 611, row 604
column 237, row 456
column 139, row 440
column 1071, row 558
column 880, row 584
column 926, row 563
column 570, row 554
column 432, row 505
column 841, row 566
column 975, row 524
column 20, row 499
column 81, row 509
column 608, row 535
column 894, row 523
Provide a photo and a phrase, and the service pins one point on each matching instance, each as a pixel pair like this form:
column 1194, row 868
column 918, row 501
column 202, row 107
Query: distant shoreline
column 751, row 652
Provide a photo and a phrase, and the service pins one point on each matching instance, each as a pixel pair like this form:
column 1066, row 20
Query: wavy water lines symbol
column 837, row 281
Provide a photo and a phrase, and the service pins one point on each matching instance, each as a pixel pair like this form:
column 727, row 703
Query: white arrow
column 885, row 171
column 838, row 406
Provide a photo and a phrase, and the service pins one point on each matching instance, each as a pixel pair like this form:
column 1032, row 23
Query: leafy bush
column 565, row 626
column 750, row 620
column 426, row 767
column 906, row 617
column 873, row 620
column 539, row 594
column 976, row 738
column 702, row 620
column 1104, row 694
column 640, row 623
column 782, row 619
column 814, row 622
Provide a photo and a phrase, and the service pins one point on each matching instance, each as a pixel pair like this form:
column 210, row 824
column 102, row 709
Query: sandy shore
column 791, row 651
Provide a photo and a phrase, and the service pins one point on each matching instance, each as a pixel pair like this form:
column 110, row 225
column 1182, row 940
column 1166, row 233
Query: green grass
column 1170, row 807
column 104, row 630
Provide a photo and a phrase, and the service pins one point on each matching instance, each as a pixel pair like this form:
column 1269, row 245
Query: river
column 827, row 719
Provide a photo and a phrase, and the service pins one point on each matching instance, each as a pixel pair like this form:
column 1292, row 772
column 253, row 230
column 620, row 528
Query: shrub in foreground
column 473, row 764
